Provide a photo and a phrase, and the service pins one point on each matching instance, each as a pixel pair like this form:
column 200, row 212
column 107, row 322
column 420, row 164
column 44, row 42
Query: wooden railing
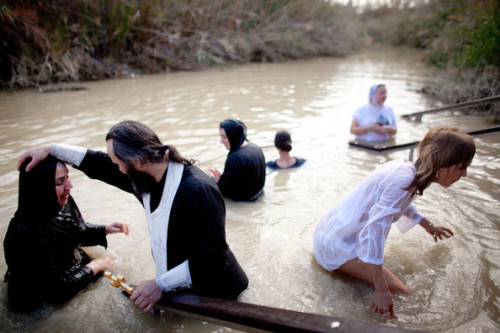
column 418, row 115
column 258, row 318
column 380, row 147
column 251, row 317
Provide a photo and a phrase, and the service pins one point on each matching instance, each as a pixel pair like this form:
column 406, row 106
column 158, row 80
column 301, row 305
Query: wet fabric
column 37, row 194
column 43, row 242
column 274, row 165
column 373, row 92
column 244, row 174
column 369, row 114
column 158, row 221
column 358, row 226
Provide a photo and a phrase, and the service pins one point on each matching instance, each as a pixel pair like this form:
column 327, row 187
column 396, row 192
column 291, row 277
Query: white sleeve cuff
column 178, row 277
column 68, row 153
column 411, row 218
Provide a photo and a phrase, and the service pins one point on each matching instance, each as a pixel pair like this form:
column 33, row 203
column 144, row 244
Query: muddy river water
column 454, row 285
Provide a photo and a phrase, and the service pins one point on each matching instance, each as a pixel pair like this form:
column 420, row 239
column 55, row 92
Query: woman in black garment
column 245, row 169
column 42, row 244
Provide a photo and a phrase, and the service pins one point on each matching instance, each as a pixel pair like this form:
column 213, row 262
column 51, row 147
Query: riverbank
column 55, row 42
column 54, row 45
column 458, row 39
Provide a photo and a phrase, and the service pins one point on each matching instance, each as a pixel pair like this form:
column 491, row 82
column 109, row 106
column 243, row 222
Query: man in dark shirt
column 184, row 208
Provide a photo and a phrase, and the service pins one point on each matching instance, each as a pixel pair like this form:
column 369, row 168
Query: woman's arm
column 230, row 179
column 72, row 280
column 382, row 301
column 357, row 130
column 388, row 129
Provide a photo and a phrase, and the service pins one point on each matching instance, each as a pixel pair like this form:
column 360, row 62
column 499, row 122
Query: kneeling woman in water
column 42, row 243
column 351, row 236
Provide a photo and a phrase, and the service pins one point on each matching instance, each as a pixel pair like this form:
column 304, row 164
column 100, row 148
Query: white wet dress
column 357, row 227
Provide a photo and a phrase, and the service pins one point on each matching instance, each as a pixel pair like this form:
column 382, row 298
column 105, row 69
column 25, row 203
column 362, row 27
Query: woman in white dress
column 351, row 236
column 374, row 121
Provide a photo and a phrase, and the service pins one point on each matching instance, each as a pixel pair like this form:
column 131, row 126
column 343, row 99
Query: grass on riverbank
column 461, row 33
column 461, row 40
column 74, row 40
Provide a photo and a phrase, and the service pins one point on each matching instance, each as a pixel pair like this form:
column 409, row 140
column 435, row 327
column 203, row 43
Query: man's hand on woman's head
column 36, row 154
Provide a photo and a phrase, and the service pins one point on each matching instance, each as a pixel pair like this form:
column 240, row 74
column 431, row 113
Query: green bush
column 463, row 33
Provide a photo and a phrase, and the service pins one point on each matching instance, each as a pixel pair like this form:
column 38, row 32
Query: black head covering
column 37, row 192
column 236, row 132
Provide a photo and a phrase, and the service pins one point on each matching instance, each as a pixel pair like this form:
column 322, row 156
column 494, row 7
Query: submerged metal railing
column 418, row 115
column 413, row 144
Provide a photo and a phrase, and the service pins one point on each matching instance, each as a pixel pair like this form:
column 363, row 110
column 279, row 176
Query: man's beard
column 142, row 182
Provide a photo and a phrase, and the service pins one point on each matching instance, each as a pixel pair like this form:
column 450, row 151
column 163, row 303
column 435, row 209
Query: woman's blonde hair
column 443, row 146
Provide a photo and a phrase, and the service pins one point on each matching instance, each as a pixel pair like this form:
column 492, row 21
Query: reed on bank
column 71, row 40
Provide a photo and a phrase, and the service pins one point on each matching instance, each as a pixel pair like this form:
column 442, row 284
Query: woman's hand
column 214, row 173
column 382, row 301
column 117, row 227
column 36, row 154
column 100, row 264
column 388, row 129
column 383, row 304
column 435, row 230
column 439, row 232
column 377, row 128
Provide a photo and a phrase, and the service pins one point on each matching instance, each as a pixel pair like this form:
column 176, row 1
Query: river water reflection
column 454, row 285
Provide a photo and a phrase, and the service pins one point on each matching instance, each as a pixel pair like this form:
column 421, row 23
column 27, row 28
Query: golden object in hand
column 119, row 281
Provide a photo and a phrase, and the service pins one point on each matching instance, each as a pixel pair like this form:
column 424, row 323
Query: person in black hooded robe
column 244, row 173
column 42, row 244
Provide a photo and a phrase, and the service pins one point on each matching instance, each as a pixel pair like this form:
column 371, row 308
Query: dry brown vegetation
column 72, row 40
column 60, row 41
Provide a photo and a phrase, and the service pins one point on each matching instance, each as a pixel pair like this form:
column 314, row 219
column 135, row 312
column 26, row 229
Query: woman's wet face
column 381, row 95
column 448, row 175
column 223, row 138
column 63, row 184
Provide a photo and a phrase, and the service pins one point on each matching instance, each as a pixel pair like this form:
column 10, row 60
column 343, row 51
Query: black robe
column 196, row 230
column 244, row 173
column 42, row 244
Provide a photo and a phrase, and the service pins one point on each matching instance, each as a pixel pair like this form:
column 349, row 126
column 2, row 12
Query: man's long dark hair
column 134, row 141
